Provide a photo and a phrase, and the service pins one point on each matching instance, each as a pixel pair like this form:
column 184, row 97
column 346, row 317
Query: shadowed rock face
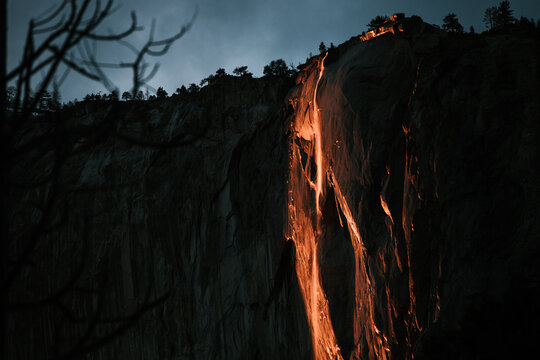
column 188, row 199
column 423, row 153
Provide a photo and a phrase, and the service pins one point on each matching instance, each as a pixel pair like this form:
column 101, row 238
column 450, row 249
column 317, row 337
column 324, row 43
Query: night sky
column 230, row 33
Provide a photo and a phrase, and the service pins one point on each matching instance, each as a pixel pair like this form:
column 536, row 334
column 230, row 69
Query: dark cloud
column 247, row 32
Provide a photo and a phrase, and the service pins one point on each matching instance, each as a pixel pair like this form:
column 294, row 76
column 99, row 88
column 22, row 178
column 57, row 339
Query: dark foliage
column 193, row 88
column 490, row 16
column 181, row 90
column 451, row 24
column 114, row 95
column 242, row 71
column 499, row 16
column 211, row 79
column 377, row 22
column 277, row 68
column 504, row 14
column 161, row 93
column 139, row 95
column 126, row 95
column 525, row 23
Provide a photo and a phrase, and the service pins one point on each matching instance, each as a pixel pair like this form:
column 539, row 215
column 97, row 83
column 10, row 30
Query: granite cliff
column 384, row 206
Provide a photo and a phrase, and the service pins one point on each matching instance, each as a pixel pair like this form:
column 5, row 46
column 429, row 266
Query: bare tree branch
column 71, row 26
column 116, row 37
column 50, row 28
column 44, row 18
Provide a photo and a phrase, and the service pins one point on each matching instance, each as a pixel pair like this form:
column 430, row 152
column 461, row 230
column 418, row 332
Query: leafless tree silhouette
column 70, row 32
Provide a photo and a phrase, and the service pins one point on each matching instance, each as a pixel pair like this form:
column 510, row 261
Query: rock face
column 183, row 198
column 384, row 207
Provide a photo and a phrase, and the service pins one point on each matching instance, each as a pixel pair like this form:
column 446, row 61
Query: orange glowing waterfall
column 304, row 229
column 306, row 192
column 318, row 142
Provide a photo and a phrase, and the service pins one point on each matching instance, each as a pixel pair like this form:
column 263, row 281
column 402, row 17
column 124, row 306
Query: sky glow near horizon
column 227, row 34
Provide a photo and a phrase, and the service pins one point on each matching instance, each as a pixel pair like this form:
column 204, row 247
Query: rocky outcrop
column 429, row 147
column 382, row 207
